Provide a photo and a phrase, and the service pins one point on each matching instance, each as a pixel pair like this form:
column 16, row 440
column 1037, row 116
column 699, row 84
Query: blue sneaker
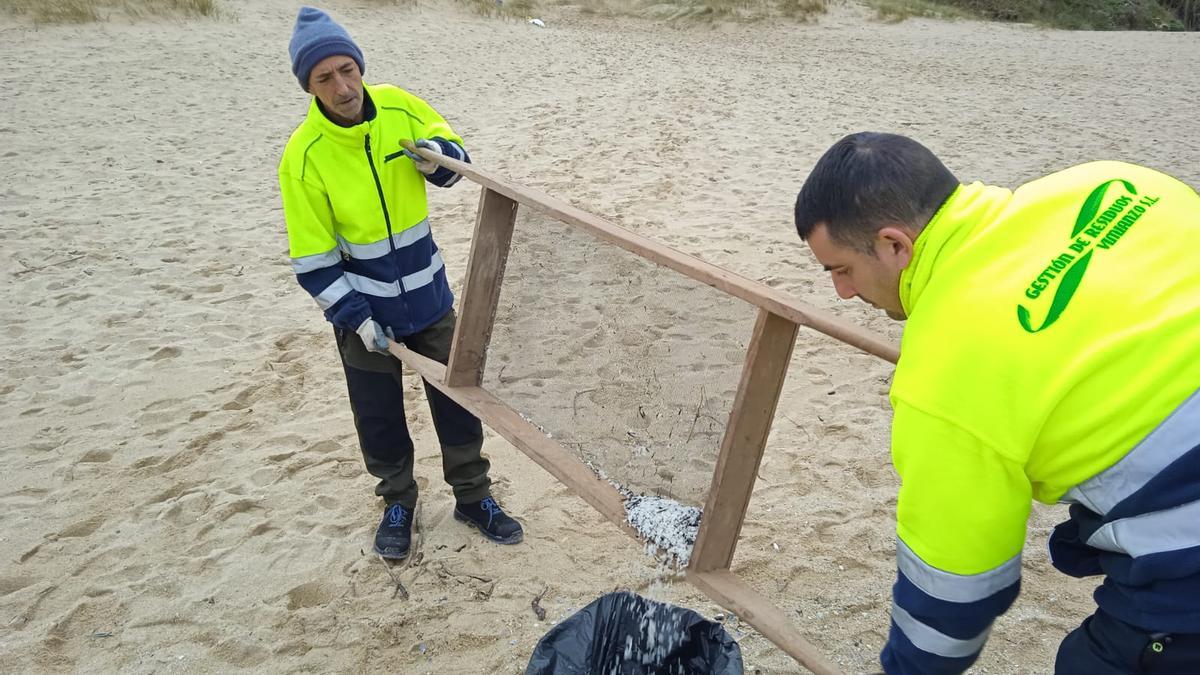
column 394, row 536
column 490, row 520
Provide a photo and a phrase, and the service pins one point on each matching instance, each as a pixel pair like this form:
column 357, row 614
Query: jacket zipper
column 387, row 220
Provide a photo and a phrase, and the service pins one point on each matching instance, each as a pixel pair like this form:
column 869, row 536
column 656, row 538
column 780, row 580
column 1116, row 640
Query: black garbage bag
column 626, row 634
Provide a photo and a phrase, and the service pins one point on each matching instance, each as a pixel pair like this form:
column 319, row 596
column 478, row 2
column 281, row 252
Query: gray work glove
column 423, row 165
column 374, row 336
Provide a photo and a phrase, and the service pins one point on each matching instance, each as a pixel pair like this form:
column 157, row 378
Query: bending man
column 1052, row 352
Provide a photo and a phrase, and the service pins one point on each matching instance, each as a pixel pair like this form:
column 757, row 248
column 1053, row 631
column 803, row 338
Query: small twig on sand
column 799, row 426
column 447, row 572
column 29, row 269
column 537, row 604
column 696, row 418
column 476, row 577
column 575, row 401
column 400, row 589
column 461, row 577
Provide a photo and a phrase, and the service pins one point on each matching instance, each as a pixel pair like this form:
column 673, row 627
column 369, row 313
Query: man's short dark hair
column 868, row 181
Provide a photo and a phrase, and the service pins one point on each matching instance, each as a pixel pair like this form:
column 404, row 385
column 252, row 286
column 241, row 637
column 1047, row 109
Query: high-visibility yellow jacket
column 357, row 218
column 1051, row 330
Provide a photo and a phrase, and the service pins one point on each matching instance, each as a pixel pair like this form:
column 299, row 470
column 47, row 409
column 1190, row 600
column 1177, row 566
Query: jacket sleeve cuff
column 350, row 312
column 444, row 177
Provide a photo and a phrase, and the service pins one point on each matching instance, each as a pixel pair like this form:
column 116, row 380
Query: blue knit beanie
column 317, row 37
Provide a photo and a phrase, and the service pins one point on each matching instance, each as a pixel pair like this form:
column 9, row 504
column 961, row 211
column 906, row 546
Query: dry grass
column 513, row 8
column 53, row 11
column 504, row 8
column 1068, row 14
column 803, row 10
column 84, row 11
column 706, row 10
column 895, row 11
column 185, row 7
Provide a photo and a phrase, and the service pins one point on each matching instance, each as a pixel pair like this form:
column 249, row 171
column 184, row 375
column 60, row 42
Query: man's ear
column 894, row 246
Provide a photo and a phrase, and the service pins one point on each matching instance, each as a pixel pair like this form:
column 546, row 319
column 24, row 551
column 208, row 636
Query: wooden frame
column 767, row 360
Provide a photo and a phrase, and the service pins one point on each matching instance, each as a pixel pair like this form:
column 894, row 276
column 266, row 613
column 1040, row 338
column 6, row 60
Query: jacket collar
column 968, row 207
column 346, row 135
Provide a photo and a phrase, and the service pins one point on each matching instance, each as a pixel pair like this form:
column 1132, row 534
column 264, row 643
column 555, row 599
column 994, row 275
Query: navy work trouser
column 377, row 400
column 1105, row 645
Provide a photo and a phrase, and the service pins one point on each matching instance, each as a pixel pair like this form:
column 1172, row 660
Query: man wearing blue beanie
column 359, row 238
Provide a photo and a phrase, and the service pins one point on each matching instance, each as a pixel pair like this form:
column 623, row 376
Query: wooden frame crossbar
column 767, row 358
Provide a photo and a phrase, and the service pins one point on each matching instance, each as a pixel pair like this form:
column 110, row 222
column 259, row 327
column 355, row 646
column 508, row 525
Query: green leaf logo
column 1066, row 289
column 1070, row 280
column 1091, row 205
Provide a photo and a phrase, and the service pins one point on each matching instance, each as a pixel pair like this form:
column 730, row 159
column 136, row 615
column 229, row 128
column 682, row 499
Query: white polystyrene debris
column 540, row 428
column 659, row 635
column 665, row 524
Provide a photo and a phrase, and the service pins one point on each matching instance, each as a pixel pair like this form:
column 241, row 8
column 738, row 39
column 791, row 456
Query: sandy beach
column 181, row 488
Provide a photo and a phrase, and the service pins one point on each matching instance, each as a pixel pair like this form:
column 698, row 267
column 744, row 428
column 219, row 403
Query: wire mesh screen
column 631, row 366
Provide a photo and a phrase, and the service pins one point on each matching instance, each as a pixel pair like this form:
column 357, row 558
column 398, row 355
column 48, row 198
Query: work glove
column 374, row 336
column 423, row 165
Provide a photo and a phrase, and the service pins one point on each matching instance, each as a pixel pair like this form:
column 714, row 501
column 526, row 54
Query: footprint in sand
column 240, row 297
column 261, row 529
column 12, row 584
column 68, row 298
column 96, row 456
column 311, row 594
column 327, row 445
column 172, row 492
column 83, row 528
column 84, row 616
column 160, row 413
column 289, row 356
column 76, row 401
column 227, row 511
column 188, row 508
column 264, row 476
column 281, row 456
column 166, row 353
column 244, row 398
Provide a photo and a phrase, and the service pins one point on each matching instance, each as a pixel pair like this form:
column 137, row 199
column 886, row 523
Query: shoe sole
column 389, row 556
column 514, row 539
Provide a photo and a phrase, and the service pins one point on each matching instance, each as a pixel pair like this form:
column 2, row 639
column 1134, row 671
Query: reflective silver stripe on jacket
column 391, row 289
column 369, row 286
column 378, row 249
column 1157, row 532
column 333, row 292
column 1176, row 435
column 311, row 263
column 1169, row 529
column 424, row 277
